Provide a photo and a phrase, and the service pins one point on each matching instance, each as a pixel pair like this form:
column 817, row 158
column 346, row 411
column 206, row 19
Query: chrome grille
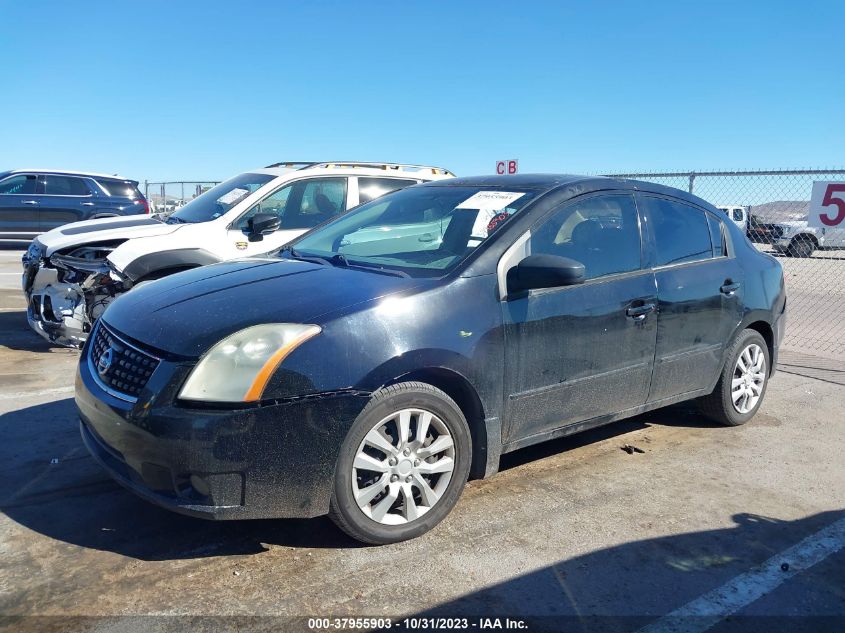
column 122, row 369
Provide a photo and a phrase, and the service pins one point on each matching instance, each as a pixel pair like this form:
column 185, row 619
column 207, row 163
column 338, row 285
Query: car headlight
column 238, row 368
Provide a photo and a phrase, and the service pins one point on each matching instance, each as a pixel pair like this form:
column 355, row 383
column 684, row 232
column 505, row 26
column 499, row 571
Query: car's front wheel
column 742, row 384
column 402, row 466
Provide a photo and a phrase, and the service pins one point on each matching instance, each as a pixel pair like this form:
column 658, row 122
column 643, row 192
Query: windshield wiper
column 374, row 269
column 174, row 220
column 308, row 258
column 339, row 259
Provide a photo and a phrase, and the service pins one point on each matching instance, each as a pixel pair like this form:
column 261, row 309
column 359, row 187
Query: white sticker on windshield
column 489, row 200
column 233, row 196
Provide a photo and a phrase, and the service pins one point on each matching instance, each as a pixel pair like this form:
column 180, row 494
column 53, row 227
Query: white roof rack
column 385, row 166
column 345, row 164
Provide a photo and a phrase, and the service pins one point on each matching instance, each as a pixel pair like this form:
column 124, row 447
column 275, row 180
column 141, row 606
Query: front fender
column 179, row 258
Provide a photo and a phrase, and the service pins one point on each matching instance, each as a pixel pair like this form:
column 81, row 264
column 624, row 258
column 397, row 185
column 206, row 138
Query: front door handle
column 729, row 289
column 639, row 313
column 88, row 204
column 29, row 201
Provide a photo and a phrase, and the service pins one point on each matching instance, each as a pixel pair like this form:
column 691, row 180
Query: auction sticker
column 490, row 200
column 489, row 205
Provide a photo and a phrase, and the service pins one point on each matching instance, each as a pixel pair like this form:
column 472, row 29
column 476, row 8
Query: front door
column 699, row 292
column 300, row 205
column 584, row 351
column 19, row 207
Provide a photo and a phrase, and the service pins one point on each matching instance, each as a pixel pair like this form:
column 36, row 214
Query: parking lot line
column 712, row 607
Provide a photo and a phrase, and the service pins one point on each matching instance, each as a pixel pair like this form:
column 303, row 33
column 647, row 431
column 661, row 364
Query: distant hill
column 780, row 210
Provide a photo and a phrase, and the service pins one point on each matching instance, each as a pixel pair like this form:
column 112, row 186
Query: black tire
column 344, row 510
column 718, row 405
column 801, row 246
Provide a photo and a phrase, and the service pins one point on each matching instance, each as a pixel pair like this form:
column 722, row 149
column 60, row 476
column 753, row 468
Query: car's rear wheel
column 742, row 384
column 402, row 466
column 801, row 246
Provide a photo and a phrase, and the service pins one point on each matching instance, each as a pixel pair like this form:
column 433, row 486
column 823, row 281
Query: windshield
column 419, row 231
column 219, row 199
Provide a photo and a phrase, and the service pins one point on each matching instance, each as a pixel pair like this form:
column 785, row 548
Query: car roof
column 544, row 183
column 66, row 172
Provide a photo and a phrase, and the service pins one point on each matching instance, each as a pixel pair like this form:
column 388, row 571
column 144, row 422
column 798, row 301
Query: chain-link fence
column 166, row 197
column 772, row 208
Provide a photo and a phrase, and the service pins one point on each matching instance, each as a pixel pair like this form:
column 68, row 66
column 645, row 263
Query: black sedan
column 375, row 364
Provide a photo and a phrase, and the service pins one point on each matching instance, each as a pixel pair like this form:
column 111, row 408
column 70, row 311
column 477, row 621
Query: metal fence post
column 691, row 180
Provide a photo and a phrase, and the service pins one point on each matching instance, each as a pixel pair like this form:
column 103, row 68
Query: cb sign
column 508, row 167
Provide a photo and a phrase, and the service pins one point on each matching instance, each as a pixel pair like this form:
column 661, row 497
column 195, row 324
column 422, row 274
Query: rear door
column 65, row 199
column 699, row 294
column 19, row 207
column 580, row 352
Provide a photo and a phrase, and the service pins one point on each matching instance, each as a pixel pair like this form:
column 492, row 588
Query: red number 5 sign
column 827, row 205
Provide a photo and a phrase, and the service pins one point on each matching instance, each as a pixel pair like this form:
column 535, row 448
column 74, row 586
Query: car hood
column 185, row 314
column 103, row 230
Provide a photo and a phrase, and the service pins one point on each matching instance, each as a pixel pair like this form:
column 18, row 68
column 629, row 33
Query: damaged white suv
column 73, row 272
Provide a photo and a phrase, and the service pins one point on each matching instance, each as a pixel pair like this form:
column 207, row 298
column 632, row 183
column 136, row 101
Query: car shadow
column 629, row 586
column 16, row 334
column 684, row 415
column 51, row 485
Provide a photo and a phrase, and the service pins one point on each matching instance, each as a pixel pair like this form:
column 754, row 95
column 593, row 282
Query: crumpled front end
column 66, row 293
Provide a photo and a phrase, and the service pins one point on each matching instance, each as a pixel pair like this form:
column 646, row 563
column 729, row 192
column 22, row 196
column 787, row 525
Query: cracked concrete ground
column 575, row 527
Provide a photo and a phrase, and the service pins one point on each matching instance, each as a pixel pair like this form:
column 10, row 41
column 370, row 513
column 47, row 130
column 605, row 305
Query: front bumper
column 270, row 461
column 55, row 310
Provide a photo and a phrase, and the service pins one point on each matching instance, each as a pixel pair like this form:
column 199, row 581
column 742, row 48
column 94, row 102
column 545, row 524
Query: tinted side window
column 601, row 232
column 681, row 233
column 313, row 202
column 119, row 188
column 65, row 186
column 372, row 188
column 22, row 185
column 738, row 215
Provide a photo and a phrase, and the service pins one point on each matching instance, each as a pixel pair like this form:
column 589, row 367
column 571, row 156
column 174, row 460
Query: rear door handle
column 729, row 289
column 638, row 313
column 88, row 204
column 29, row 201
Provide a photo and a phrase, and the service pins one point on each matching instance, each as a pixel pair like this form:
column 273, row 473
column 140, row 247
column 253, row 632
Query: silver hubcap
column 748, row 379
column 403, row 467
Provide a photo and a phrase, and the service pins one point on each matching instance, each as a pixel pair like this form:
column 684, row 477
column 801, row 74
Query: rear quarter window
column 123, row 188
column 372, row 188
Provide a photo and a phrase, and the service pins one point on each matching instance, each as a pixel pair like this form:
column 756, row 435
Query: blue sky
column 202, row 90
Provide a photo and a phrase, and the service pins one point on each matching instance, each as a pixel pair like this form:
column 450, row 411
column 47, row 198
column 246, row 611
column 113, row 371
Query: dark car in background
column 33, row 201
column 366, row 378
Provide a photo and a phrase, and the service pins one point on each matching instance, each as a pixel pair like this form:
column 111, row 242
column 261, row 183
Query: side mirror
column 545, row 271
column 262, row 224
